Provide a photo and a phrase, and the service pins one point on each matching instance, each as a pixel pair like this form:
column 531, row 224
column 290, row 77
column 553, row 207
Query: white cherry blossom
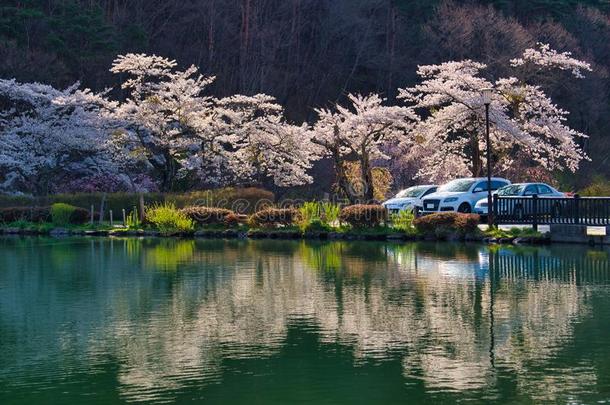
column 359, row 133
column 524, row 120
column 47, row 135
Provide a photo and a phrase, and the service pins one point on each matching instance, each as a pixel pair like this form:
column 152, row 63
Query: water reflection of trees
column 454, row 314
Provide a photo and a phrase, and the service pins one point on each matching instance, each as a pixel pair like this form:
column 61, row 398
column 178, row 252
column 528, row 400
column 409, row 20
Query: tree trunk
column 169, row 171
column 391, row 43
column 343, row 181
column 477, row 164
column 366, row 177
column 211, row 38
column 244, row 42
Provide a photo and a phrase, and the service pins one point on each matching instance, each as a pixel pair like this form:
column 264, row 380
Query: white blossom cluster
column 185, row 132
column 524, row 120
column 167, row 126
column 364, row 128
column 546, row 57
column 46, row 134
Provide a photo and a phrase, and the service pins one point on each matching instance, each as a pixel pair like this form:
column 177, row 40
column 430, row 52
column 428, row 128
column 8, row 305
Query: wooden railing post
column 142, row 208
column 102, row 207
column 535, row 212
column 576, row 209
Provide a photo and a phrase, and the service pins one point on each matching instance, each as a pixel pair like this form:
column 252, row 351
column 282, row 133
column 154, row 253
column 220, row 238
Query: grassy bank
column 244, row 200
column 312, row 220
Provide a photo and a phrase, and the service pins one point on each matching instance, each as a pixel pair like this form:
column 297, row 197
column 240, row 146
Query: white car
column 460, row 195
column 522, row 190
column 408, row 199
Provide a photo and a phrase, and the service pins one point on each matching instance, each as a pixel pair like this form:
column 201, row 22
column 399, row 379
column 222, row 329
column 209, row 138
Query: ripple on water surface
column 159, row 320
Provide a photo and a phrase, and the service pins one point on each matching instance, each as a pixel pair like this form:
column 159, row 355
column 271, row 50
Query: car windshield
column 513, row 189
column 411, row 192
column 458, row 186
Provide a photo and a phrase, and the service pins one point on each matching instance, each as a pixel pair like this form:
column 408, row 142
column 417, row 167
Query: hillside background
column 311, row 53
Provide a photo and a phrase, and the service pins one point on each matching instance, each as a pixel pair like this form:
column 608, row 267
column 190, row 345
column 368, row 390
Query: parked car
column 519, row 209
column 408, row 198
column 460, row 195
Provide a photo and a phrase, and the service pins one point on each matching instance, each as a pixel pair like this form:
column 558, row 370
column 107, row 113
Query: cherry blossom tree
column 181, row 131
column 49, row 135
column 263, row 145
column 358, row 134
column 525, row 122
column 166, row 113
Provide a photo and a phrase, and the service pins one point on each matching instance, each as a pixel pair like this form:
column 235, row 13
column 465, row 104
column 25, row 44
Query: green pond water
column 99, row 321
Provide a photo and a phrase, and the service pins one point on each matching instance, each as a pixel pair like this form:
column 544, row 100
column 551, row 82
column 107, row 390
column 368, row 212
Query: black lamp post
column 486, row 93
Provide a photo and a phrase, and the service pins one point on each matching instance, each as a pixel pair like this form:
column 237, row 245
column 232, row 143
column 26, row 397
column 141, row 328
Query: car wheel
column 465, row 208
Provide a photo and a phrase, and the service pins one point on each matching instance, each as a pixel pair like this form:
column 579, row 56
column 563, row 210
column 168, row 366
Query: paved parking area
column 541, row 228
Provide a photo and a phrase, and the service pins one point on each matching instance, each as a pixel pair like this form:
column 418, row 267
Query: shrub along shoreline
column 312, row 220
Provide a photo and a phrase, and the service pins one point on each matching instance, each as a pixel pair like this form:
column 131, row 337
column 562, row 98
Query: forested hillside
column 311, row 53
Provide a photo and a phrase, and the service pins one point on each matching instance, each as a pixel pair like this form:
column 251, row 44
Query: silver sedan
column 543, row 190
